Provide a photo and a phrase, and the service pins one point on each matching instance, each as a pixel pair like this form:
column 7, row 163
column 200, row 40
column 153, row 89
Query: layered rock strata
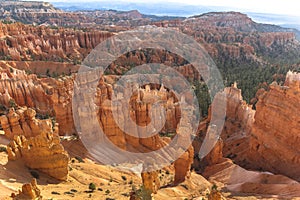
column 23, row 122
column 42, row 152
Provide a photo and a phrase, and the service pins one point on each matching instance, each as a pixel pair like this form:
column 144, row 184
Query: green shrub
column 142, row 193
column 92, row 186
column 56, row 193
column 124, row 178
column 3, row 149
column 79, row 159
column 12, row 104
column 214, row 187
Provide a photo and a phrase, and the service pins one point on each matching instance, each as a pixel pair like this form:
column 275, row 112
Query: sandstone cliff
column 265, row 139
column 275, row 133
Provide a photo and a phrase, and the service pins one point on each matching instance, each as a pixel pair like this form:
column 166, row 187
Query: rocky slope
column 35, row 142
column 275, row 134
column 24, row 42
column 237, row 44
column 265, row 139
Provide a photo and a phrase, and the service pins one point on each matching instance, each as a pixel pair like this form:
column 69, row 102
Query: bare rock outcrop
column 183, row 166
column 275, row 140
column 238, row 125
column 23, row 122
column 29, row 191
column 114, row 118
column 48, row 96
column 266, row 139
column 42, row 152
column 150, row 181
column 22, row 89
column 237, row 179
column 25, row 42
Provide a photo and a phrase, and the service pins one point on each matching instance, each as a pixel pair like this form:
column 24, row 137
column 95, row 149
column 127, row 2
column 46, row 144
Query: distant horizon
column 280, row 13
column 287, row 7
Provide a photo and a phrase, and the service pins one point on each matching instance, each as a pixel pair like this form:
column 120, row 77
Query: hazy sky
column 290, row 7
column 286, row 7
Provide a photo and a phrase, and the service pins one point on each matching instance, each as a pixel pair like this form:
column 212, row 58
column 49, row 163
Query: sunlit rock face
column 30, row 191
column 25, row 42
column 43, row 152
column 275, row 140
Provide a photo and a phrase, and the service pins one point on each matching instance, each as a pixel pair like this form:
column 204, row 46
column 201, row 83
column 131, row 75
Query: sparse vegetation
column 3, row 149
column 12, row 104
column 79, row 159
column 73, row 190
column 92, row 186
column 69, row 193
column 214, row 187
column 141, row 193
column 55, row 193
column 124, row 178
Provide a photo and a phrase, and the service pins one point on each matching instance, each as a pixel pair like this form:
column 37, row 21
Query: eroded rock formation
column 183, row 166
column 29, row 191
column 275, row 140
column 25, row 42
column 266, row 139
column 42, row 152
column 48, row 96
column 150, row 181
column 36, row 142
column 23, row 122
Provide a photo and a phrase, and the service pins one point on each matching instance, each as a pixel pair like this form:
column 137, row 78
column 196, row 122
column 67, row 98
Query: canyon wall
column 265, row 139
column 25, row 42
column 275, row 134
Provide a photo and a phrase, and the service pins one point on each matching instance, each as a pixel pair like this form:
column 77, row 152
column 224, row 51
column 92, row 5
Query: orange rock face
column 141, row 104
column 29, row 191
column 23, row 122
column 43, row 152
column 151, row 181
column 36, row 142
column 275, row 143
column 48, row 96
column 24, row 42
column 183, row 165
column 266, row 139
